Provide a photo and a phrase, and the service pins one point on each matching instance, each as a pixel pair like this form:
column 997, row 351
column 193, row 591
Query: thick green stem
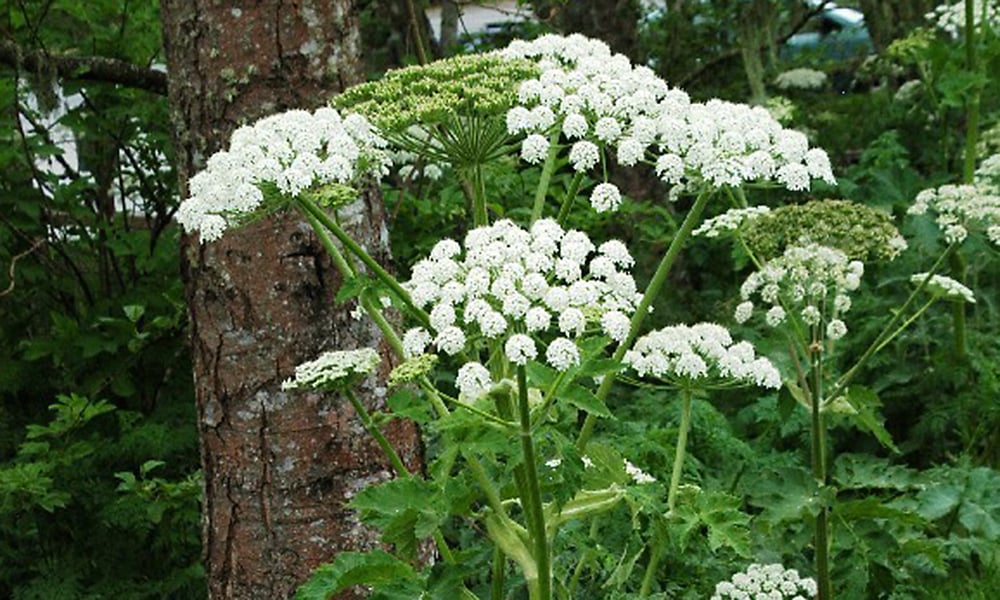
column 652, row 292
column 534, row 499
column 499, row 572
column 333, row 227
column 655, row 554
column 821, row 534
column 375, row 432
column 958, row 269
column 567, row 203
column 680, row 450
column 371, row 307
column 543, row 182
column 475, row 189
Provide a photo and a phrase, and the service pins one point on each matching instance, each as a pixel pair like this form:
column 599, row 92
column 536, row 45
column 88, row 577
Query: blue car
column 836, row 34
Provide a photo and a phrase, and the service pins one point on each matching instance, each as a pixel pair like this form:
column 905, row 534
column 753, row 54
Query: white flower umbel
column 703, row 353
column 810, row 281
column 519, row 287
column 293, row 151
column 960, row 208
column 333, row 370
column 800, row 79
column 729, row 221
column 766, row 582
column 601, row 102
column 950, row 18
column 942, row 285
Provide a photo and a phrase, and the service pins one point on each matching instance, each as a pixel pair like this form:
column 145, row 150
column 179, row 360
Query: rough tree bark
column 277, row 467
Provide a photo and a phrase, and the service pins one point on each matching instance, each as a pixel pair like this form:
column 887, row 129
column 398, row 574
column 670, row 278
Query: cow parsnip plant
column 521, row 324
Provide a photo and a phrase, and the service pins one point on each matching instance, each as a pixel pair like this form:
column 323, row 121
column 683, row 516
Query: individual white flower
column 572, row 322
column 332, row 370
column 534, row 149
column 607, row 129
column 415, row 342
column 442, row 316
column 584, row 155
column 638, row 475
column 450, row 340
column 520, row 349
column 616, row 325
column 473, row 381
column 537, row 319
column 562, row 354
column 605, row 197
column 775, row 316
column 575, row 126
column 617, row 252
column 836, row 329
column 670, row 167
column 811, row 315
column 630, row 152
column 743, row 311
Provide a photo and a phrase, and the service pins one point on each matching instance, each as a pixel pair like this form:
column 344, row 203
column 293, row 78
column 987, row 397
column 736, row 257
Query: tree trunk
column 888, row 21
column 278, row 467
column 450, row 15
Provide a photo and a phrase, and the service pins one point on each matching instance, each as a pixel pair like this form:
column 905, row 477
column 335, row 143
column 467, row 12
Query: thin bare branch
column 86, row 68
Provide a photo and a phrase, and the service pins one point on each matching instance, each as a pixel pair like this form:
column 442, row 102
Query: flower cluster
column 960, row 207
column 293, row 151
column 514, row 286
column 813, row 280
column 729, row 221
column 457, row 87
column 766, row 582
column 950, row 18
column 704, row 351
column 333, row 370
column 909, row 92
column 857, row 230
column 800, row 79
column 599, row 102
column 637, row 475
column 988, row 172
column 942, row 285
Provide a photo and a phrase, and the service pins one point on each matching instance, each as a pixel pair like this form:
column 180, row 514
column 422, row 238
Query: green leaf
column 376, row 568
column 134, row 312
column 938, row 501
column 406, row 510
column 863, row 472
column 714, row 515
column 867, row 416
column 352, row 287
column 585, row 400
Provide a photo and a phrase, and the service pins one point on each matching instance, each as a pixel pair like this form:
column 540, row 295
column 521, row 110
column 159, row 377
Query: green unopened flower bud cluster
column 463, row 86
column 860, row 232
